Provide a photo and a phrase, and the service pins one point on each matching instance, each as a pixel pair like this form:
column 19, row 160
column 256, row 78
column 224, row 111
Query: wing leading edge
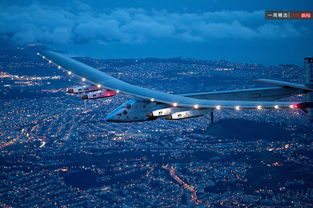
column 100, row 78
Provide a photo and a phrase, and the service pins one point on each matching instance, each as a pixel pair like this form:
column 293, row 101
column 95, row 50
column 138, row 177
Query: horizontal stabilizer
column 286, row 84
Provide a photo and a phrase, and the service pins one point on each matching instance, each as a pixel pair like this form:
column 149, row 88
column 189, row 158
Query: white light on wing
column 237, row 107
column 99, row 85
column 69, row 73
column 174, row 104
column 259, row 107
column 218, row 107
column 50, row 61
column 152, row 99
column 276, row 106
column 196, row 106
column 59, row 67
column 83, row 79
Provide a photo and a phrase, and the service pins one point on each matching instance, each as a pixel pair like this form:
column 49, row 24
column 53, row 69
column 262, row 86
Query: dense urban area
column 57, row 151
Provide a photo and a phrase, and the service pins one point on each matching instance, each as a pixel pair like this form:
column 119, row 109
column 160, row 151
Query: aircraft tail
column 307, row 87
column 308, row 84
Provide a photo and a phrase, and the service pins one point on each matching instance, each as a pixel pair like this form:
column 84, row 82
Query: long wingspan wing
column 97, row 77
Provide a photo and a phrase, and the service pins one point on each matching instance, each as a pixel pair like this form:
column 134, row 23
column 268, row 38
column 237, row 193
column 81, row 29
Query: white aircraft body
column 150, row 104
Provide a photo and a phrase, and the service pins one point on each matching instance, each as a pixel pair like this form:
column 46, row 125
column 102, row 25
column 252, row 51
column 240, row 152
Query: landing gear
column 212, row 117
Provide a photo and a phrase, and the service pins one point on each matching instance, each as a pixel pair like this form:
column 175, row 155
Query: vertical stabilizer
column 309, row 113
column 308, row 67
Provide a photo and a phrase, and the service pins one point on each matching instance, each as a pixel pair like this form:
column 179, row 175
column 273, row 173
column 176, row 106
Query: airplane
column 151, row 104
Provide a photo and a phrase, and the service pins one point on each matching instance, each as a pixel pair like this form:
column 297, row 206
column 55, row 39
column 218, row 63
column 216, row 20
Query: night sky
column 205, row 29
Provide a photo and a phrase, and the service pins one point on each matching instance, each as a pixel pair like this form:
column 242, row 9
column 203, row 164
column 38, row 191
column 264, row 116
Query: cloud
column 106, row 30
column 223, row 30
column 282, row 31
column 46, row 24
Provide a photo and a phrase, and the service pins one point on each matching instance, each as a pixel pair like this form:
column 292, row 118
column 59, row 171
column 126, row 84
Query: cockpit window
column 128, row 106
column 124, row 112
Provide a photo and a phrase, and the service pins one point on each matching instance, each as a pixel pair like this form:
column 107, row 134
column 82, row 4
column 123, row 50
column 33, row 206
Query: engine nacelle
column 188, row 114
column 164, row 112
column 160, row 112
column 82, row 89
column 99, row 94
